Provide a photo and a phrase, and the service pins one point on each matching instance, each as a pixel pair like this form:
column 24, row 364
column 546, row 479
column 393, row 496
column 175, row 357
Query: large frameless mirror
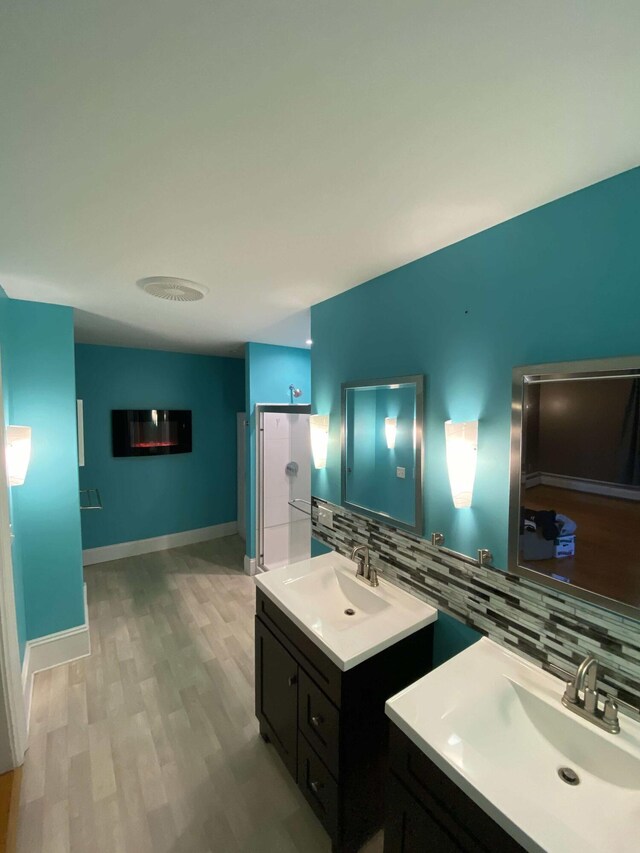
column 575, row 479
column 382, row 449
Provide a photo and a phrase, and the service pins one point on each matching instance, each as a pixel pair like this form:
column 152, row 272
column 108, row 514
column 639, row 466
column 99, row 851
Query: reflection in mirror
column 382, row 449
column 578, row 482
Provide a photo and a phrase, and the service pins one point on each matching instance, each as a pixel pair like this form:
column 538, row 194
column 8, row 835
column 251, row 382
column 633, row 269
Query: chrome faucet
column 365, row 570
column 585, row 681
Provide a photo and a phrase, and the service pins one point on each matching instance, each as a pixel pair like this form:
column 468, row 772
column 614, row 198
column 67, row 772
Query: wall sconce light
column 18, row 453
column 462, row 457
column 390, row 429
column 319, row 426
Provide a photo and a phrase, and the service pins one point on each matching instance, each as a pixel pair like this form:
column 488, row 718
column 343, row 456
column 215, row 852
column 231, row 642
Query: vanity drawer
column 319, row 722
column 318, row 786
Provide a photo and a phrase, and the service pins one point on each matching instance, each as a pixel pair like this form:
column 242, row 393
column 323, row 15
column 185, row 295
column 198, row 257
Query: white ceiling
column 281, row 151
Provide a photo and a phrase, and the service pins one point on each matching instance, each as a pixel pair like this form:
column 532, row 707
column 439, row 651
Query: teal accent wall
column 269, row 370
column 561, row 282
column 318, row 548
column 451, row 637
column 39, row 377
column 150, row 496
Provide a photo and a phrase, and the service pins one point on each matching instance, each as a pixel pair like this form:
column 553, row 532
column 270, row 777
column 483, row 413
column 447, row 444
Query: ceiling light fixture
column 173, row 289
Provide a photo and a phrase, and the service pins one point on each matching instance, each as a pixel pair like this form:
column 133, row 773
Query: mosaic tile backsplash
column 541, row 624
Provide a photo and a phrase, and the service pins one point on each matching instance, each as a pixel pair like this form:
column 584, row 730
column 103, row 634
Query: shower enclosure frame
column 260, row 409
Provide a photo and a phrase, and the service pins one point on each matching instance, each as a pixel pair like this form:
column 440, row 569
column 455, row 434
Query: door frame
column 241, row 472
column 11, row 686
column 262, row 408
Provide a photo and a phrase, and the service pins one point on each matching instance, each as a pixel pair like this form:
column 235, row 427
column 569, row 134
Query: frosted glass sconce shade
column 319, row 426
column 390, row 428
column 462, row 457
column 18, row 453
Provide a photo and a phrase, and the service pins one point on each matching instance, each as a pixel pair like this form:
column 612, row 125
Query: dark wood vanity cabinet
column 428, row 813
column 277, row 698
column 329, row 726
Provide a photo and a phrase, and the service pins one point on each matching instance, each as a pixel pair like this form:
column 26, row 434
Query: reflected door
column 284, row 518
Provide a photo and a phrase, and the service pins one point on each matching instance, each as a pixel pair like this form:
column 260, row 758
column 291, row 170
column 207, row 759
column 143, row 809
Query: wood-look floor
column 606, row 559
column 9, row 804
column 151, row 744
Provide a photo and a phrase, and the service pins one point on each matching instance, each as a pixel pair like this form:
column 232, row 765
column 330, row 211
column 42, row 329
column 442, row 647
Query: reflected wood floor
column 606, row 559
column 151, row 744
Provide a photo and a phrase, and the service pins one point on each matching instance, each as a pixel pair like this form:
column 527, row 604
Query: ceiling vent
column 173, row 289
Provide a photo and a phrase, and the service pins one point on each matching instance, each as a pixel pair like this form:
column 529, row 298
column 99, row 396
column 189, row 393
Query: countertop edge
column 349, row 663
column 463, row 783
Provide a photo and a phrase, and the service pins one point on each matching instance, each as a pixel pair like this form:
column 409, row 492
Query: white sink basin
column 495, row 725
column 333, row 595
column 349, row 620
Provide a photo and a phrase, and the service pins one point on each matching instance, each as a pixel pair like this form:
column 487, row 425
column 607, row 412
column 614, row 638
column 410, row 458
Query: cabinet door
column 277, row 695
column 409, row 828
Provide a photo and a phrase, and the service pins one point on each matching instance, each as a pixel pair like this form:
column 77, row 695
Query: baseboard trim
column 577, row 484
column 250, row 565
column 106, row 553
column 54, row 650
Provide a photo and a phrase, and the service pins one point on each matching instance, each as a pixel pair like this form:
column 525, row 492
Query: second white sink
column 494, row 723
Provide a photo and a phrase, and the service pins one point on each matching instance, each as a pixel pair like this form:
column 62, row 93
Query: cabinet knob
column 316, row 787
column 293, row 679
column 316, row 720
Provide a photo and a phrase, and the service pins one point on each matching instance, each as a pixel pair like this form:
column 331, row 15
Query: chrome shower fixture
column 294, row 392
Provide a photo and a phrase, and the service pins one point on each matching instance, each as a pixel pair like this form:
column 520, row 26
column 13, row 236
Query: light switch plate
column 325, row 517
column 400, row 472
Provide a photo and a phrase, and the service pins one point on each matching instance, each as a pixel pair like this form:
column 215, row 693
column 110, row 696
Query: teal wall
column 561, row 282
column 38, row 372
column 318, row 548
column 269, row 370
column 152, row 496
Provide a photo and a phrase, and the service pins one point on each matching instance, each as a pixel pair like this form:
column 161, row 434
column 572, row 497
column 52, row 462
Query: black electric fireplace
column 150, row 432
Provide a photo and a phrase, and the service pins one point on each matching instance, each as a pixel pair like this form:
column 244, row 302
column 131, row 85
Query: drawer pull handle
column 316, row 721
column 316, row 787
column 293, row 679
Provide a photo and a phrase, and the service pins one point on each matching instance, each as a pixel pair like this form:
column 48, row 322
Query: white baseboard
column 106, row 553
column 250, row 566
column 54, row 650
column 577, row 484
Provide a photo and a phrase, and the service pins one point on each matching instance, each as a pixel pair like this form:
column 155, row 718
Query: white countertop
column 495, row 725
column 315, row 594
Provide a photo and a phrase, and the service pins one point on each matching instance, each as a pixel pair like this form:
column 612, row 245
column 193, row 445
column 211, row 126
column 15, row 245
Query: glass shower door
column 284, row 518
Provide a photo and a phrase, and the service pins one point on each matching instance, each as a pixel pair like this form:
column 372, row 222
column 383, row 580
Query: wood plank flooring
column 151, row 744
column 606, row 560
column 10, row 783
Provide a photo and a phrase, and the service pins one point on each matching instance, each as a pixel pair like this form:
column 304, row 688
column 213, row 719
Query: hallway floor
column 151, row 744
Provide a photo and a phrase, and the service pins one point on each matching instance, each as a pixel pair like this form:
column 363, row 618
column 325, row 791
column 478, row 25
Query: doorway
column 284, row 485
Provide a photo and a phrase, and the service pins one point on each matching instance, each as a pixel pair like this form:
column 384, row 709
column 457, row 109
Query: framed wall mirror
column 382, row 423
column 574, row 512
